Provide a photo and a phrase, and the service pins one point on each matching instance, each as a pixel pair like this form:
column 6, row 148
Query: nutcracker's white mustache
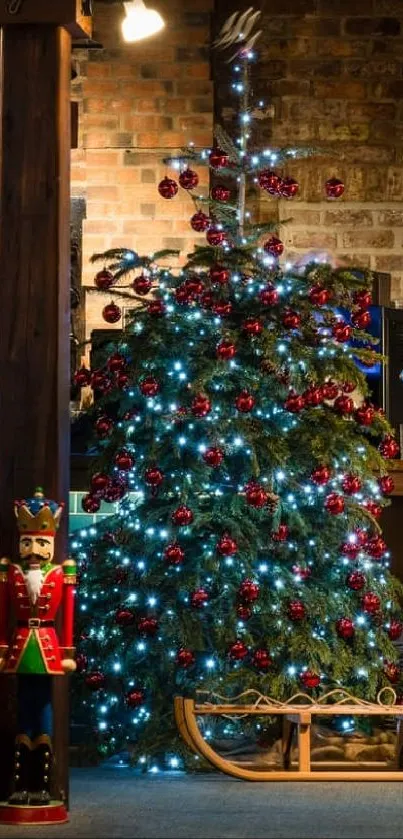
column 34, row 580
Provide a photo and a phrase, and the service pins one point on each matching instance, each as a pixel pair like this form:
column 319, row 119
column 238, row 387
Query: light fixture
column 140, row 22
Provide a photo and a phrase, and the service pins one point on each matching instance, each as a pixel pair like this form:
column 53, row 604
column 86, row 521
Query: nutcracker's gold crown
column 38, row 515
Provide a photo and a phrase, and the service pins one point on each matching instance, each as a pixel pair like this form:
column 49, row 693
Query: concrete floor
column 119, row 804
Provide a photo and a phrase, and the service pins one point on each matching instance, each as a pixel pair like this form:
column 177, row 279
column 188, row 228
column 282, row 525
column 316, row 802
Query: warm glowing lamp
column 140, row 22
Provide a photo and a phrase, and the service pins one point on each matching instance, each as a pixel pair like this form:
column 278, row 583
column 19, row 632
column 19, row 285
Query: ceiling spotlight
column 140, row 22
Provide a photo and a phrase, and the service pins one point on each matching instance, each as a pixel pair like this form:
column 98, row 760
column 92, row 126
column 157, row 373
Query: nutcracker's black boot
column 41, row 771
column 22, row 770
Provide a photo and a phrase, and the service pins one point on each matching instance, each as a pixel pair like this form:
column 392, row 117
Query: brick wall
column 334, row 71
column 138, row 103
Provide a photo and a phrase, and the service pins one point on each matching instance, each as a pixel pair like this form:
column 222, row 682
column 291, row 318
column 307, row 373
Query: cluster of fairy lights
column 309, row 495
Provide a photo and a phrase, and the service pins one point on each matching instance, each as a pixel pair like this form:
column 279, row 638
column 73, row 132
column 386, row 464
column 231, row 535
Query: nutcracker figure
column 32, row 591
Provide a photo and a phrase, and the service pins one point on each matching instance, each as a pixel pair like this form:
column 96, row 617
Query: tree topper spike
column 238, row 28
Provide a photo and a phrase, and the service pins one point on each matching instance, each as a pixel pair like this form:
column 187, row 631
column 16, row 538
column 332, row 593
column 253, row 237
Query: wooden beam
column 68, row 13
column 34, row 299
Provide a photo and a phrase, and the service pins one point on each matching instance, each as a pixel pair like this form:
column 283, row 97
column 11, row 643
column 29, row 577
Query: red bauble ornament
column 188, row 179
column 182, row 516
column 222, row 309
column 95, row 680
column 281, row 534
column 148, row 627
column 310, row 679
column 122, row 380
column 302, row 573
column 270, row 181
column 343, row 404
column 341, row 332
column 386, row 484
column 395, row 630
column 249, row 591
column 100, row 381
column 124, row 460
column 215, row 236
column 134, row 698
column 182, row 295
column 142, row 285
column 200, row 222
column 168, row 188
column 330, row 390
column 111, row 313
column 318, row 295
column 294, row 403
column 185, row 658
column 226, row 350
column 201, row 405
column 226, row 545
column 291, row 320
column 115, row 490
column 296, row 610
column 174, row 554
column 99, row 482
column 345, row 628
column 124, row 617
column 90, row 503
column 243, row 612
column 388, row 447
column 104, row 426
column 156, row 308
column 288, row 188
column 245, row 402
column 256, row 496
column 361, row 320
column 313, row 396
column 392, row 672
column 252, row 327
column 350, row 549
column 104, row 280
column 218, row 159
column 351, row 484
column 274, row 246
column 370, row 602
column 194, row 285
column 213, row 457
column 334, row 188
column 348, row 387
column 321, row 475
column 220, row 193
column 116, row 362
column 362, row 299
column 199, row 598
column 153, row 476
column 376, row 547
column 334, row 504
column 238, row 651
column 365, row 414
column 356, row 581
column 149, row 386
column 82, row 377
column 261, row 659
column 373, row 508
column 219, row 275
column 269, row 296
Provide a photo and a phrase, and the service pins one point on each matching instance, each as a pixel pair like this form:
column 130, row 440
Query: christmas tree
column 233, row 424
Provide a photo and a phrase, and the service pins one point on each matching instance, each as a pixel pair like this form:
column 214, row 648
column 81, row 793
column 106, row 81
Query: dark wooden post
column 34, row 286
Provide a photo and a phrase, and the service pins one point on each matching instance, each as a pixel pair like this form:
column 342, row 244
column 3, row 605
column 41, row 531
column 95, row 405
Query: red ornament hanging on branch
column 124, row 460
column 188, row 179
column 321, row 475
column 345, row 628
column 174, row 554
column 148, row 626
column 362, row 299
column 294, row 403
column 116, row 362
column 134, row 698
column 249, row 591
column 269, row 296
column 386, row 484
column 215, row 236
column 111, row 313
column 153, row 477
column 281, row 534
column 238, row 651
column 185, row 658
column 269, row 181
column 252, row 327
column 219, row 275
column 201, row 405
column 388, row 447
column 104, row 427
column 395, row 630
column 182, row 517
column 142, row 285
column 365, row 414
column 330, row 390
column 168, row 188
column 90, row 503
column 200, row 222
column 334, row 188
column 288, row 188
column 370, row 603
column 351, row 484
column 296, row 610
column 220, row 193
column 104, row 280
column 218, row 159
column 341, row 332
column 343, row 404
column 226, row 545
column 96, row 680
column 274, row 247
column 226, row 350
column 245, row 402
column 256, row 495
column 213, row 457
column 361, row 320
column 310, row 679
column 356, row 581
column 124, row 617
column 99, row 482
column 149, row 386
column 261, row 659
column 156, row 308
column 82, row 377
column 199, row 598
column 318, row 295
column 334, row 504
